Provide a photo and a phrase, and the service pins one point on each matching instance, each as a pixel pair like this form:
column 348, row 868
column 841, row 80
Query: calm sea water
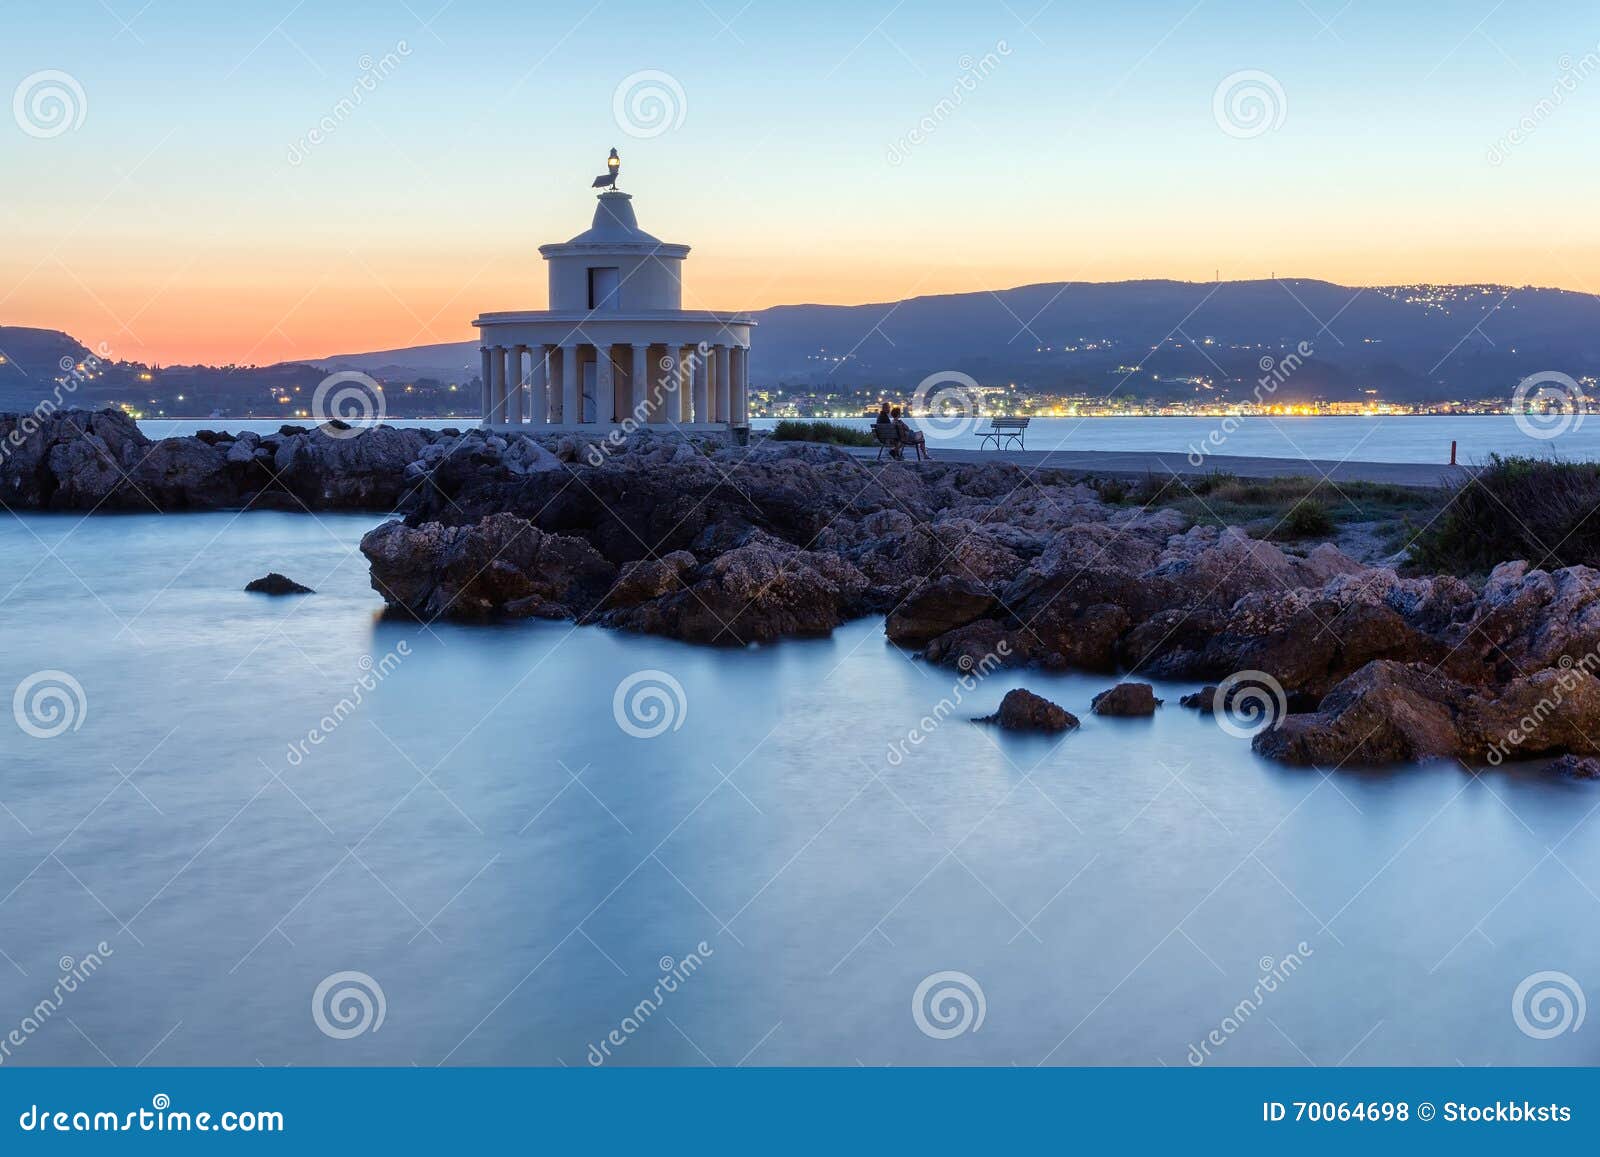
column 514, row 869
column 1375, row 439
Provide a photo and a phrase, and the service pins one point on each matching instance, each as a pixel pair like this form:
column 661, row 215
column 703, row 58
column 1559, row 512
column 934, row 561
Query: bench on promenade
column 1004, row 431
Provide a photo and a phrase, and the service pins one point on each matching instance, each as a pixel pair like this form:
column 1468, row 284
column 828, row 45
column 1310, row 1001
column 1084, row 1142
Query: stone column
column 558, row 359
column 642, row 384
column 741, row 385
column 497, row 385
column 724, row 384
column 671, row 374
column 686, row 361
column 605, row 386
column 571, row 386
column 483, row 383
column 702, row 383
column 538, row 400
column 516, row 381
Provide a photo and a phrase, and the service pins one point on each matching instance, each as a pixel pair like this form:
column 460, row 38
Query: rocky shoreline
column 974, row 566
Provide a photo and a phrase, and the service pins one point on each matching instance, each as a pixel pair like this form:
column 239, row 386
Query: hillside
column 1409, row 343
column 1159, row 340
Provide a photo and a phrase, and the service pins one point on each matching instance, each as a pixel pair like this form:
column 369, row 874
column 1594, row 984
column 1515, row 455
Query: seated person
column 885, row 432
column 909, row 437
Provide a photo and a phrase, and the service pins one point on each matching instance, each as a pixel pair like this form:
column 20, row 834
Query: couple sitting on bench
column 894, row 434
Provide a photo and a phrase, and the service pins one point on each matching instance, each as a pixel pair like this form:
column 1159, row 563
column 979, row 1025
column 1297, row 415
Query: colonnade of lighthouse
column 615, row 347
column 604, row 383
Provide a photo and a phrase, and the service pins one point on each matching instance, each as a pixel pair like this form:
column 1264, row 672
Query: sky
column 184, row 210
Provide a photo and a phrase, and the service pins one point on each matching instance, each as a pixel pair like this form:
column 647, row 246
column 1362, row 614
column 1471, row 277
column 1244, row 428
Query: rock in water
column 1126, row 699
column 1204, row 699
column 277, row 584
column 1400, row 712
column 1577, row 767
column 502, row 566
column 1022, row 710
column 937, row 608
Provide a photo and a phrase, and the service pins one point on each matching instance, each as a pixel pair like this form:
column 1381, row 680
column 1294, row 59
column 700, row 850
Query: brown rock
column 500, row 566
column 1576, row 767
column 1126, row 699
column 936, row 608
column 277, row 584
column 1022, row 710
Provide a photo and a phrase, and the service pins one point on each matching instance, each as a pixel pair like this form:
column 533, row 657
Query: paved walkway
column 1137, row 463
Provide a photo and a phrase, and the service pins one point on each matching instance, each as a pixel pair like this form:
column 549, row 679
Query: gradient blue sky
column 172, row 225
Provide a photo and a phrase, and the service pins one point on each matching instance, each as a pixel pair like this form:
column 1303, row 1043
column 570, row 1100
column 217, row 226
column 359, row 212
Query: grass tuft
column 790, row 430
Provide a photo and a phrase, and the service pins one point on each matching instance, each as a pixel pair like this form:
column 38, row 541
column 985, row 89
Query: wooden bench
column 885, row 437
column 1004, row 431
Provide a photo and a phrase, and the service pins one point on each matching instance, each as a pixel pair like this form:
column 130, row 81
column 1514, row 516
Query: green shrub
column 1113, row 490
column 1306, row 519
column 1537, row 509
column 791, row 430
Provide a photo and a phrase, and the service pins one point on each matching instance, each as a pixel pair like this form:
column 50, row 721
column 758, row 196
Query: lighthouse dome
column 614, row 266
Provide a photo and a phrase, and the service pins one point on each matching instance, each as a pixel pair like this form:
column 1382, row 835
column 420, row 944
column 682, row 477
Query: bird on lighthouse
column 608, row 179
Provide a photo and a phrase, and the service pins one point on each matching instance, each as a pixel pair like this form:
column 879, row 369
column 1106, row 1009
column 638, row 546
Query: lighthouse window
column 604, row 282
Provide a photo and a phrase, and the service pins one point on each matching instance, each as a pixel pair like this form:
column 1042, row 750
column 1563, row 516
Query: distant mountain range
column 1160, row 339
column 1163, row 340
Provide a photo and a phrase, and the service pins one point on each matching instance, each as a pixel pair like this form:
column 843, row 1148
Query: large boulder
column 1022, row 710
column 501, row 566
column 644, row 579
column 1126, row 699
column 184, row 473
column 1390, row 712
column 755, row 593
column 332, row 469
column 936, row 608
column 1387, row 712
column 979, row 646
column 1528, row 618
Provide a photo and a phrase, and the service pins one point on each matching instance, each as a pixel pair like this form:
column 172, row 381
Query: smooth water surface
column 1408, row 438
column 514, row 869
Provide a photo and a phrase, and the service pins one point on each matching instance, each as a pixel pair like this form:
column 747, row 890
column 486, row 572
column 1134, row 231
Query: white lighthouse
column 616, row 347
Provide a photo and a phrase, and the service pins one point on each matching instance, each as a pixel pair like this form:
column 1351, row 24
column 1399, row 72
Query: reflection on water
column 516, row 871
